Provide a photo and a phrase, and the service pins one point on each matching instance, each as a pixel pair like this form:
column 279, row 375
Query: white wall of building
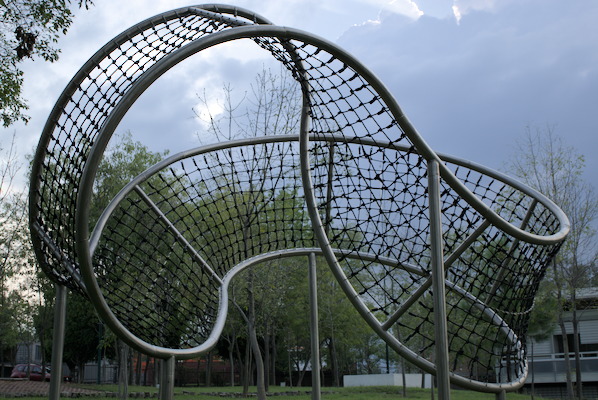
column 411, row 380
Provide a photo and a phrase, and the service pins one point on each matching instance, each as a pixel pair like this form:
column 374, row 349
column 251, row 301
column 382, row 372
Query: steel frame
column 247, row 25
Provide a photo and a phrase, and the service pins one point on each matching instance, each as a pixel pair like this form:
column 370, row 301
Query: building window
column 583, row 347
column 559, row 344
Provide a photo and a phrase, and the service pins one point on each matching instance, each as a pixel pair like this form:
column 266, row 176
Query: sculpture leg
column 167, row 379
column 315, row 336
column 438, row 286
column 58, row 342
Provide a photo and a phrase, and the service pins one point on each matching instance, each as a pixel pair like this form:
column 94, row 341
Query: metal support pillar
column 167, row 379
column 58, row 342
column 99, row 357
column 502, row 395
column 438, row 285
column 315, row 335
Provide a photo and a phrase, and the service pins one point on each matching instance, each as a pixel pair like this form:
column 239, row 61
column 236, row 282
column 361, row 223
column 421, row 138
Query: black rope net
column 172, row 238
column 75, row 123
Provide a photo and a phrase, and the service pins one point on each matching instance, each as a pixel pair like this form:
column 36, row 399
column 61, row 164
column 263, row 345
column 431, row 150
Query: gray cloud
column 472, row 88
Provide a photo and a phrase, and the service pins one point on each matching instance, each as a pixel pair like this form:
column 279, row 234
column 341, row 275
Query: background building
column 548, row 368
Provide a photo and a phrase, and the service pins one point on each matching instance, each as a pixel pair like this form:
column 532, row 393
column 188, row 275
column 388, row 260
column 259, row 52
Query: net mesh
column 176, row 235
column 85, row 106
column 168, row 244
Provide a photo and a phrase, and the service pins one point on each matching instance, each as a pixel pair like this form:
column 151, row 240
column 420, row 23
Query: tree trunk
column 273, row 351
column 147, row 364
column 231, row 360
column 82, row 371
column 259, row 363
column 404, row 377
column 209, row 369
column 242, row 368
column 197, row 376
column 575, row 323
column 157, row 370
column 28, row 358
column 247, row 369
column 138, row 369
column 43, row 332
column 567, row 357
column 403, row 373
column 334, row 362
column 561, row 322
column 302, row 374
column 533, row 394
column 130, row 365
column 255, row 347
column 267, row 358
column 290, row 367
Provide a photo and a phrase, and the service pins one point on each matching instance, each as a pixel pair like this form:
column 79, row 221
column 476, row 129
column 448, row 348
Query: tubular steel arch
column 357, row 184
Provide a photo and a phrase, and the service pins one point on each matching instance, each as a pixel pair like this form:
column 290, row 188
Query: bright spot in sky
column 208, row 109
column 457, row 13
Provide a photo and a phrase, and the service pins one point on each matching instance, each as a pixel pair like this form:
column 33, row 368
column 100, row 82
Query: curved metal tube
column 116, row 326
column 243, row 24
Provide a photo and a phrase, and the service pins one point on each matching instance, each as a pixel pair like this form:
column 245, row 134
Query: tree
column 81, row 339
column 541, row 322
column 15, row 254
column 123, row 160
column 13, row 236
column 272, row 107
column 43, row 312
column 28, row 28
column 544, row 162
column 26, row 295
column 251, row 202
column 348, row 338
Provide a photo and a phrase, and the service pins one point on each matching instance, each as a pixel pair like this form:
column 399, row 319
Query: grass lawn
column 303, row 393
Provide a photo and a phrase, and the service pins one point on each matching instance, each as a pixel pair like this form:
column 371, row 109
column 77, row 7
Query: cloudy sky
column 470, row 74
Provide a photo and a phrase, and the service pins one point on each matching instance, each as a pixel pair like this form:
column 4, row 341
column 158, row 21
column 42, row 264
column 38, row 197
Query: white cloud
column 456, row 8
column 435, row 8
column 405, row 7
column 370, row 22
column 463, row 7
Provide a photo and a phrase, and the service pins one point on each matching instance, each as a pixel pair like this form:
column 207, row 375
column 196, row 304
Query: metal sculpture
column 441, row 257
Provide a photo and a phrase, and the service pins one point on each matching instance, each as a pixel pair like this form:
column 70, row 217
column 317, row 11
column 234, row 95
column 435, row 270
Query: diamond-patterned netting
column 175, row 236
column 77, row 118
column 171, row 239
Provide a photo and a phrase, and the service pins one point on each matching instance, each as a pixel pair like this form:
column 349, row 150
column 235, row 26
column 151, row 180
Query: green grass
column 303, row 393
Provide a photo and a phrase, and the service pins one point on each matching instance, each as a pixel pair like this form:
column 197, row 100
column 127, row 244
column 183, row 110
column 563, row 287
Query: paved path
column 20, row 388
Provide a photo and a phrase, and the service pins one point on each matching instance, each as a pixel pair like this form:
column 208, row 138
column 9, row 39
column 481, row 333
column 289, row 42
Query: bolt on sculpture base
column 353, row 182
